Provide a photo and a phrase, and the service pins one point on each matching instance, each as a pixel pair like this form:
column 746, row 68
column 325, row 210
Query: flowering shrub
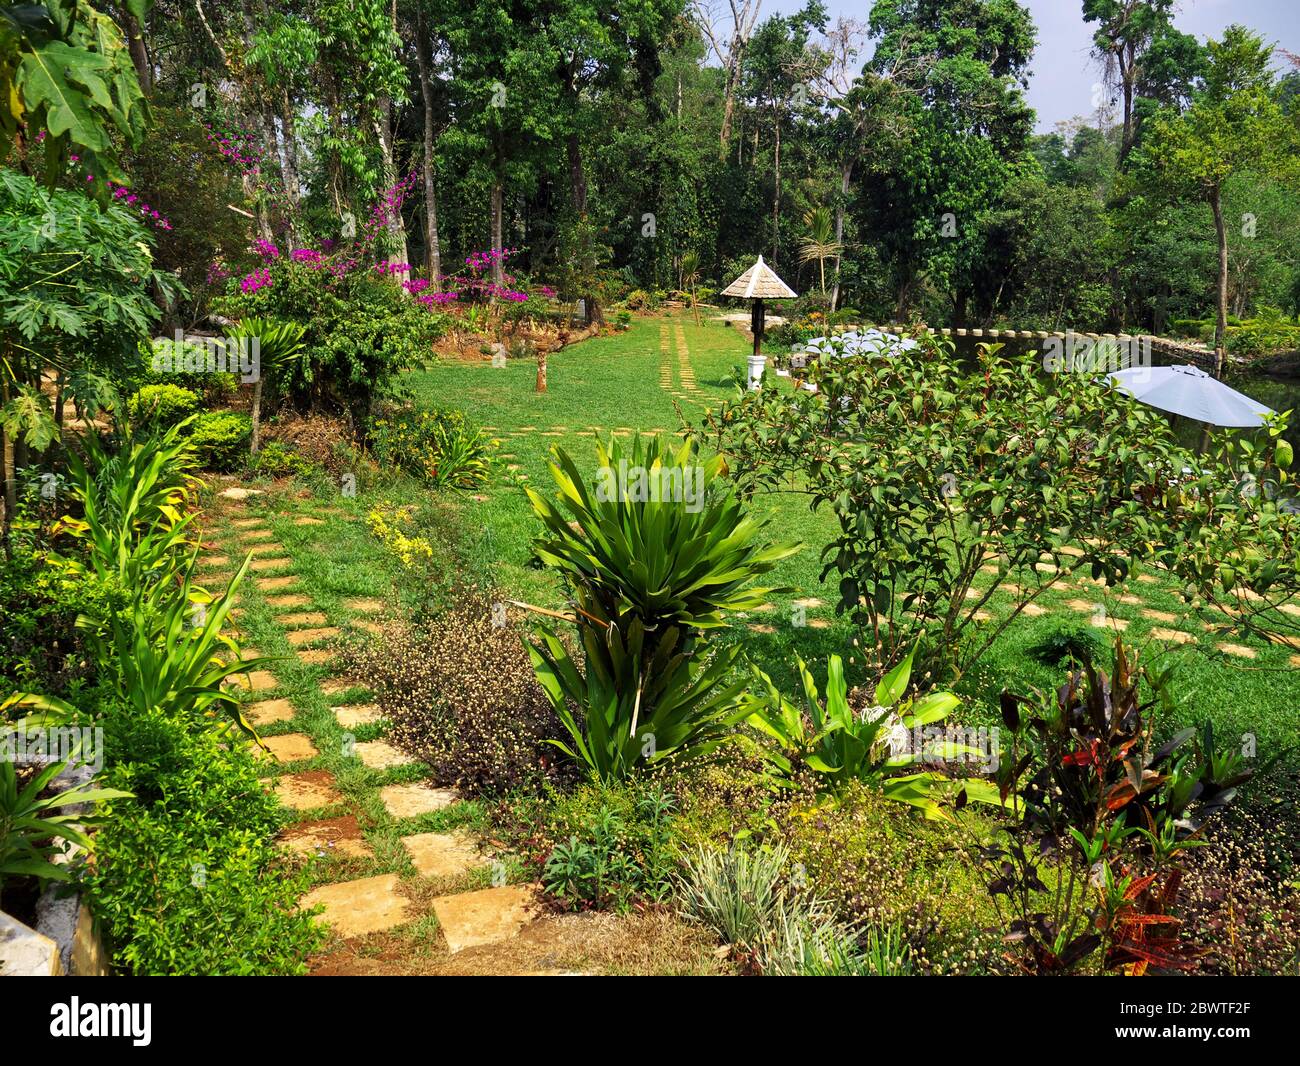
column 435, row 446
column 389, row 524
column 461, row 695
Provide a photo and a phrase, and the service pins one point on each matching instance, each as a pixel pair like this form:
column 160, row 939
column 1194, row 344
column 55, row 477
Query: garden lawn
column 664, row 372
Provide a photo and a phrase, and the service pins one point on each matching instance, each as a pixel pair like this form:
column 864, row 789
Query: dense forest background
column 626, row 145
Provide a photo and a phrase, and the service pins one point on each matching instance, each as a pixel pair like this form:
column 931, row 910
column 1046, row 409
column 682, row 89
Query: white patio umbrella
column 1190, row 391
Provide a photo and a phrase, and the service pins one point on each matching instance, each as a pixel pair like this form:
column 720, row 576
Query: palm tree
column 820, row 244
column 691, row 278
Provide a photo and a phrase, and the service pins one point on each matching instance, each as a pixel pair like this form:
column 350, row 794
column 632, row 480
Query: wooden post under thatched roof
column 759, row 283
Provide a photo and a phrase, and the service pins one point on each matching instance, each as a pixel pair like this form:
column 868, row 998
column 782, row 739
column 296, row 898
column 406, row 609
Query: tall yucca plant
column 683, row 555
column 655, row 552
column 642, row 701
column 279, row 343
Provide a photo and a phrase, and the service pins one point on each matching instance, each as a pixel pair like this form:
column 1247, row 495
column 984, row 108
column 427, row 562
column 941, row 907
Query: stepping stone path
column 471, row 919
column 443, row 854
column 363, row 714
column 410, row 801
column 355, row 908
column 380, row 755
column 268, row 712
column 329, row 825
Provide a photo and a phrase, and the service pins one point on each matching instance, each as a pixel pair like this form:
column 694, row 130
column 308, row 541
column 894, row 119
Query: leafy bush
column 277, row 459
column 608, row 861
column 1102, row 813
column 164, row 405
column 936, row 469
column 842, row 744
column 220, row 439
column 438, row 447
column 461, row 695
column 1067, row 640
column 361, row 332
column 193, row 853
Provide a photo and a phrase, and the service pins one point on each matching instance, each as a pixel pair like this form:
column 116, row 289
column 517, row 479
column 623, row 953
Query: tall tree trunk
column 255, row 440
column 1221, row 288
column 776, row 187
column 396, row 229
column 498, row 245
column 139, row 53
column 541, row 367
column 432, row 247
column 289, row 159
column 846, row 175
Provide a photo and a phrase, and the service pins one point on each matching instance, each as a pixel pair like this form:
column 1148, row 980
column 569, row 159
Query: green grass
column 610, row 383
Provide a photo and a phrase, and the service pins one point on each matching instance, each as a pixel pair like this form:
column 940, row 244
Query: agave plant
column 172, row 656
column 841, row 745
column 658, row 535
column 654, row 555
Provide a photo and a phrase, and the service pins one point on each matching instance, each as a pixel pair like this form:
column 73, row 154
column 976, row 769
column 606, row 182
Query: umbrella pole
column 756, row 326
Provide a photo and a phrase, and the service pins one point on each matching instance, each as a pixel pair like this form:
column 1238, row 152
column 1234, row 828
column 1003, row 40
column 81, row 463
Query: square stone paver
column 443, row 854
column 291, row 747
column 1240, row 650
column 1174, row 636
column 469, row 919
column 303, row 618
column 1160, row 616
column 355, row 908
column 332, row 686
column 365, row 604
column 212, row 562
column 307, row 520
column 290, row 599
column 380, row 755
column 327, row 837
column 299, row 637
column 248, row 523
column 272, row 584
column 305, row 792
column 261, row 565
column 267, row 712
column 408, row 801
column 316, row 656
column 254, row 681
column 350, row 717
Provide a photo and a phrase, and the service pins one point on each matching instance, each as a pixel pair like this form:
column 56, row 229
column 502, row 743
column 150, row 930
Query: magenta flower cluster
column 258, row 279
column 122, row 195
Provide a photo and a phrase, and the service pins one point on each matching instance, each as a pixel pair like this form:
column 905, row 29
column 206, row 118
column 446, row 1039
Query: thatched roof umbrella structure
column 759, row 283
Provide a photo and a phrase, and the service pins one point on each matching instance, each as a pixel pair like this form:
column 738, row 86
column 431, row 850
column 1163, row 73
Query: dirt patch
column 654, row 942
column 328, row 836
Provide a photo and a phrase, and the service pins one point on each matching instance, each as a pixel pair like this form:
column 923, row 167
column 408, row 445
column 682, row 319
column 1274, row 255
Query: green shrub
column 187, row 878
column 438, row 447
column 361, row 332
column 1067, row 640
column 277, row 459
column 609, row 859
column 220, row 439
column 163, row 405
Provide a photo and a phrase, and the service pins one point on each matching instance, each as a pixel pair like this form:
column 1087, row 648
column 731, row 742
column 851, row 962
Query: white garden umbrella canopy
column 1190, row 391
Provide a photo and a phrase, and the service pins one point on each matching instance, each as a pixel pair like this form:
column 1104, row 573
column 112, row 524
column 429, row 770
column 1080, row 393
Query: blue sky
column 1063, row 71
